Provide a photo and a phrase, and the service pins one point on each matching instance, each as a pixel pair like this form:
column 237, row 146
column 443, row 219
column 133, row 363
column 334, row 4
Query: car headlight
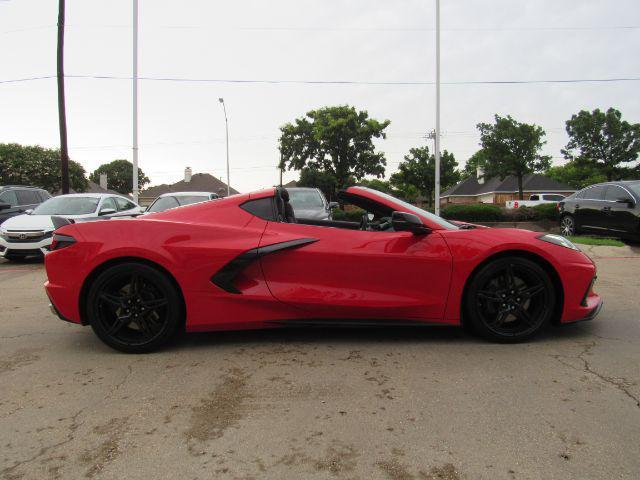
column 558, row 240
column 3, row 233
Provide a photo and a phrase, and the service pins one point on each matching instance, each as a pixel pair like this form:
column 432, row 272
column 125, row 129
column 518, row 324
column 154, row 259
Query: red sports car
column 247, row 262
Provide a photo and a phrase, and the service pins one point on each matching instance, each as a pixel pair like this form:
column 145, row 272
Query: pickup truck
column 536, row 199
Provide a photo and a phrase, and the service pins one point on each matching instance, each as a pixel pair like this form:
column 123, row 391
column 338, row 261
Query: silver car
column 310, row 203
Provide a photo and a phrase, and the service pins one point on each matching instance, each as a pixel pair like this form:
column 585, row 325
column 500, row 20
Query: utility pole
column 281, row 166
column 437, row 133
column 62, row 113
column 226, row 124
column 135, row 102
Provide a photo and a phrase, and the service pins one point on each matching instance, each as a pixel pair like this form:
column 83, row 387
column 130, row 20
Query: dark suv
column 611, row 208
column 16, row 199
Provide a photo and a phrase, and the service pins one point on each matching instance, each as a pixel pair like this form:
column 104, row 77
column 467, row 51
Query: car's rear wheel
column 134, row 308
column 568, row 226
column 509, row 300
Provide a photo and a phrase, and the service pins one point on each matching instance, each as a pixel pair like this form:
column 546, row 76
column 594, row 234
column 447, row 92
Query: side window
column 108, row 203
column 162, row 204
column 261, row 207
column 9, row 197
column 595, row 193
column 27, row 197
column 124, row 204
column 615, row 193
column 553, row 198
column 534, row 197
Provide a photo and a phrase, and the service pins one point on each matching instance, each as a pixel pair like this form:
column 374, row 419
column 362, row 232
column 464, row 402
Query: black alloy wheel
column 510, row 300
column 134, row 308
column 567, row 226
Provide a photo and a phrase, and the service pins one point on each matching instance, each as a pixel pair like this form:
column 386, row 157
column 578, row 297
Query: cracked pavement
column 398, row 404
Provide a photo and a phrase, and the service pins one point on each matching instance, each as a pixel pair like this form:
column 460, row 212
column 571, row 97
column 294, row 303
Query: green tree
column 119, row 176
column 476, row 160
column 602, row 142
column 417, row 173
column 334, row 140
column 37, row 166
column 512, row 148
column 377, row 184
column 325, row 181
column 575, row 175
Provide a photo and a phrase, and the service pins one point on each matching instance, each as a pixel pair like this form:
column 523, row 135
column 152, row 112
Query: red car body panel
column 337, row 274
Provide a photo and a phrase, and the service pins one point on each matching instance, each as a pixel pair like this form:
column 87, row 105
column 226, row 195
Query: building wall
column 495, row 198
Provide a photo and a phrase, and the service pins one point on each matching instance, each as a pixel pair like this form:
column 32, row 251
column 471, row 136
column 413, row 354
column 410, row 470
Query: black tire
column 509, row 300
column 134, row 308
column 568, row 226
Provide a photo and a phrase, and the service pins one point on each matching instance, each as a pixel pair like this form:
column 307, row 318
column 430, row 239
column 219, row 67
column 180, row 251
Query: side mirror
column 4, row 206
column 333, row 205
column 29, row 211
column 107, row 211
column 408, row 222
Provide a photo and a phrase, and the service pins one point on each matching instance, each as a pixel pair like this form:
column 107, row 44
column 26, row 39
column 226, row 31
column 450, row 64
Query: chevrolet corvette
column 247, row 262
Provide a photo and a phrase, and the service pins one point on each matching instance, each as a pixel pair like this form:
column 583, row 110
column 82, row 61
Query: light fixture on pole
column 135, row 102
column 437, row 132
column 226, row 124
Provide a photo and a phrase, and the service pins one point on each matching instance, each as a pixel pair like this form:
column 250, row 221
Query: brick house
column 493, row 190
column 197, row 182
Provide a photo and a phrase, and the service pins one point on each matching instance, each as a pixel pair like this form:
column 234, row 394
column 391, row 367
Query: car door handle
column 577, row 206
column 606, row 209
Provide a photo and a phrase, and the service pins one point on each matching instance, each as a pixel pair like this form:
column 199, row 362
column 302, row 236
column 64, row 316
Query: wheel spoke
column 118, row 324
column 154, row 304
column 113, row 300
column 532, row 291
column 144, row 327
column 136, row 284
column 523, row 315
column 489, row 295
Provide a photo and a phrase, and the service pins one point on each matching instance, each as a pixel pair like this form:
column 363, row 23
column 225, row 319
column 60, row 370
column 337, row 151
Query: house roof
column 200, row 182
column 95, row 188
column 532, row 182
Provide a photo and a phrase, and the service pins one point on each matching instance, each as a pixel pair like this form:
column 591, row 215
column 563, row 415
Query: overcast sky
column 182, row 124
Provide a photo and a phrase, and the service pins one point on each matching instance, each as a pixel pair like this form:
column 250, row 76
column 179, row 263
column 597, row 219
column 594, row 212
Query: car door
column 341, row 273
column 10, row 199
column 620, row 210
column 588, row 209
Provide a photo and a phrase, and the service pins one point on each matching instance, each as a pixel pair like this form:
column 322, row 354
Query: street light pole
column 226, row 124
column 437, row 133
column 135, row 102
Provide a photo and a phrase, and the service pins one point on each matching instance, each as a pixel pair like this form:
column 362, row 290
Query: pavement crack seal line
column 6, row 472
column 620, row 383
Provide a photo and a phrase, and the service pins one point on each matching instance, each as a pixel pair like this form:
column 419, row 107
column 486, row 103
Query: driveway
column 398, row 404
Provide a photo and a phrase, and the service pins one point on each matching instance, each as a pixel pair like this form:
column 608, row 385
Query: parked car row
column 26, row 225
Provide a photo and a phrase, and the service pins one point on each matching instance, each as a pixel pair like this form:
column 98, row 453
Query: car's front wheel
column 568, row 226
column 134, row 308
column 509, row 300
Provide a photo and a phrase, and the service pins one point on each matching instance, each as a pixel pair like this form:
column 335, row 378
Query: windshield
column 417, row 210
column 634, row 187
column 67, row 206
column 305, row 199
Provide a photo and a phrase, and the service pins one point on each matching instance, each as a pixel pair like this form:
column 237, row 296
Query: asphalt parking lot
column 322, row 404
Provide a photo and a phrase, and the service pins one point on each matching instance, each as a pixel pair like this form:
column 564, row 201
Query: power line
column 332, row 82
column 285, row 28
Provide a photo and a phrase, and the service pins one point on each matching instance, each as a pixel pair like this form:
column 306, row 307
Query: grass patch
column 600, row 241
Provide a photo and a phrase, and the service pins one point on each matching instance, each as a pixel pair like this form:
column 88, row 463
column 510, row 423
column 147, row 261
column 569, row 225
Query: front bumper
column 24, row 248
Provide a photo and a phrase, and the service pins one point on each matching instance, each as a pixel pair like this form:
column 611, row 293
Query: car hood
column 35, row 222
column 313, row 214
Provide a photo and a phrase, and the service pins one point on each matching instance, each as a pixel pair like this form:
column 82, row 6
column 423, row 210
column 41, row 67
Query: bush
column 476, row 212
column 547, row 211
column 351, row 215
